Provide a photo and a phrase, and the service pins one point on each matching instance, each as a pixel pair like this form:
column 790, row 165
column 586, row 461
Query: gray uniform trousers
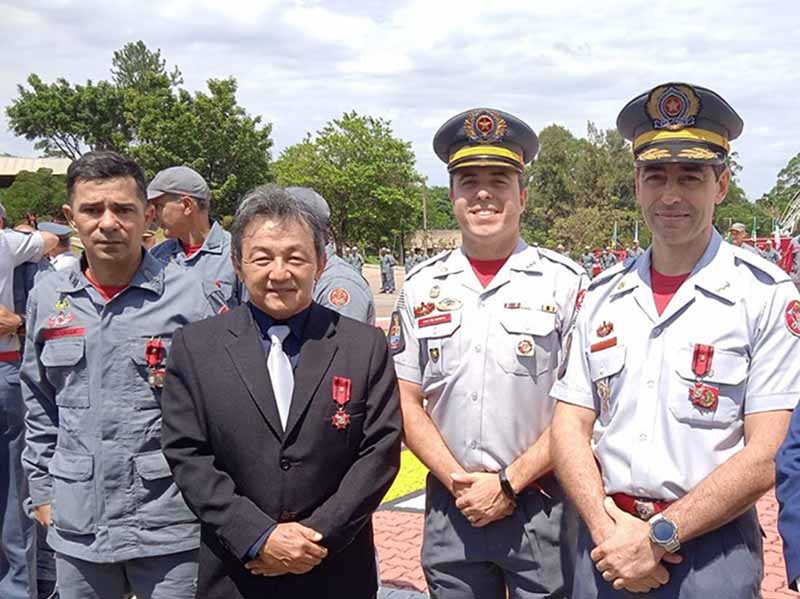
column 17, row 579
column 725, row 563
column 529, row 553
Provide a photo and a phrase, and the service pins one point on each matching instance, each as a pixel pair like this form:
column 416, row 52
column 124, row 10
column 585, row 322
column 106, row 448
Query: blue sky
column 418, row 62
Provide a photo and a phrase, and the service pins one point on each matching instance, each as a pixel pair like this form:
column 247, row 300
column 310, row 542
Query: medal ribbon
column 341, row 390
column 702, row 358
column 154, row 352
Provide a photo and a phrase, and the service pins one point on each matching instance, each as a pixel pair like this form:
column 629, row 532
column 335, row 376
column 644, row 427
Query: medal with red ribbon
column 702, row 395
column 341, row 395
column 154, row 352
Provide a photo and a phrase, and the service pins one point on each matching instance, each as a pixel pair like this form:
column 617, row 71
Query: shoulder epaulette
column 425, row 263
column 562, row 260
column 761, row 264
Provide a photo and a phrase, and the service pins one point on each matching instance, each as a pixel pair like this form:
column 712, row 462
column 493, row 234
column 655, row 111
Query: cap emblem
column 485, row 126
column 654, row 154
column 698, row 153
column 672, row 107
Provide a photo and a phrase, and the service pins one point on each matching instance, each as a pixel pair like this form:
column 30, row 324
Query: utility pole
column 425, row 214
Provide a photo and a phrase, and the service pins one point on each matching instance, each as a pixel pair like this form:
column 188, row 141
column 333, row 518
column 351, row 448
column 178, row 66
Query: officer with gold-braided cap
column 677, row 391
column 477, row 337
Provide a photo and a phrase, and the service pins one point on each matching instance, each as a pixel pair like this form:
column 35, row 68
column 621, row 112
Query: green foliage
column 440, row 211
column 41, row 193
column 142, row 113
column 786, row 188
column 364, row 172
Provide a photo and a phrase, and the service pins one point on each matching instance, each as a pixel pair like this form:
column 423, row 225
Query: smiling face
column 110, row 217
column 678, row 201
column 487, row 203
column 279, row 266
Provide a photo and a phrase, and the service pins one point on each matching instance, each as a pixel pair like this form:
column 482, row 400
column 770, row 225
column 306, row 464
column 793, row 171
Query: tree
column 364, row 172
column 142, row 113
column 41, row 193
column 786, row 188
column 440, row 210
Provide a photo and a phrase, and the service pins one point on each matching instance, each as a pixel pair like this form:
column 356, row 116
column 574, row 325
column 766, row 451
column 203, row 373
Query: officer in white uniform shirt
column 677, row 390
column 61, row 257
column 478, row 333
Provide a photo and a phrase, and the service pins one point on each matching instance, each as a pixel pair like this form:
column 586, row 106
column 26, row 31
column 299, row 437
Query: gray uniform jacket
column 344, row 290
column 213, row 261
column 387, row 262
column 93, row 420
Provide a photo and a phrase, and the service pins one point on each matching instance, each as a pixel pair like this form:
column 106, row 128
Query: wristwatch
column 664, row 533
column 505, row 485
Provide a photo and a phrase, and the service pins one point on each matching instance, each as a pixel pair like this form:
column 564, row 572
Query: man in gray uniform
column 182, row 200
column 738, row 234
column 339, row 287
column 635, row 250
column 770, row 253
column 387, row 271
column 477, row 338
column 17, row 576
column 587, row 260
column 61, row 257
column 96, row 347
column 357, row 260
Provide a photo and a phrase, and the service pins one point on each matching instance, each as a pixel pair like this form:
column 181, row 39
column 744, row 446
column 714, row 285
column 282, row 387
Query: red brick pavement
column 398, row 536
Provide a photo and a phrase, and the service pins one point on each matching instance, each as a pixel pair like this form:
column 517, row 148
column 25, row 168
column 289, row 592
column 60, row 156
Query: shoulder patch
column 753, row 260
column 339, row 296
column 394, row 337
column 569, row 263
column 430, row 261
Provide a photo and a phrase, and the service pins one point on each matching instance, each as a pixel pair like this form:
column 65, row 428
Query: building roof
column 11, row 165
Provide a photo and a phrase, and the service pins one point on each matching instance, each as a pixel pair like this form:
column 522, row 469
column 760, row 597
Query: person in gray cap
column 339, row 287
column 678, row 390
column 738, row 235
column 182, row 200
column 387, row 271
column 61, row 257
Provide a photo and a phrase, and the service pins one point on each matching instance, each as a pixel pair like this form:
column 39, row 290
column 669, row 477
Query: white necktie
column 280, row 371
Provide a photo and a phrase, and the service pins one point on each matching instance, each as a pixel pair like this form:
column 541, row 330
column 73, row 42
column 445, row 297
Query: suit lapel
column 247, row 355
column 316, row 356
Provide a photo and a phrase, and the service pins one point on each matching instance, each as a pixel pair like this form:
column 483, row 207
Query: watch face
column 663, row 531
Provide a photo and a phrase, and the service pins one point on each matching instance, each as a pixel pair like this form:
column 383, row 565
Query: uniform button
column 474, row 396
column 656, row 331
column 642, row 437
column 650, row 384
column 477, row 349
column 473, row 445
column 285, row 464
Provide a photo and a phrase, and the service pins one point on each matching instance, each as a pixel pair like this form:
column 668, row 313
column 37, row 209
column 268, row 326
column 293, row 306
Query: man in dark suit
column 282, row 423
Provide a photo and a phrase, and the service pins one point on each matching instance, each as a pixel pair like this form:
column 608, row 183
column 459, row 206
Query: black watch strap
column 505, row 485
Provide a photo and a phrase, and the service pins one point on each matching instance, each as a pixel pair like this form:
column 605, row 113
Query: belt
column 639, row 507
column 9, row 356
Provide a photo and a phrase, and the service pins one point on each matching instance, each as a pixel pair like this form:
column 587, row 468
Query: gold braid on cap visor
column 486, row 151
column 686, row 134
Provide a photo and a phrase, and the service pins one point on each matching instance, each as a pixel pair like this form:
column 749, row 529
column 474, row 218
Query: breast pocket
column 728, row 374
column 73, row 492
column 440, row 344
column 530, row 344
column 145, row 384
column 605, row 369
column 65, row 367
column 159, row 502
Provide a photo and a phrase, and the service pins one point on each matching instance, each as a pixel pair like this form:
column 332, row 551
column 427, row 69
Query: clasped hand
column 480, row 498
column 291, row 548
column 626, row 556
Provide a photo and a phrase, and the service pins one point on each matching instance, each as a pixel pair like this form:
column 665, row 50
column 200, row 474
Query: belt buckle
column 645, row 509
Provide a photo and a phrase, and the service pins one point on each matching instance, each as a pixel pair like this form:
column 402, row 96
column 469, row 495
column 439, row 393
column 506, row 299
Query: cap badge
column 673, row 107
column 485, row 126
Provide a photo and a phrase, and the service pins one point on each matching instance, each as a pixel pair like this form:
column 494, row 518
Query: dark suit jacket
column 240, row 473
column 787, row 490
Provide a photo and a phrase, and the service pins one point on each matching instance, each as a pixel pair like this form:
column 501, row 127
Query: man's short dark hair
column 270, row 202
column 97, row 165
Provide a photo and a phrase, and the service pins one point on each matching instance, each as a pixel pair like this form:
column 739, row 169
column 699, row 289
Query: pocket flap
column 528, row 322
column 152, row 466
column 727, row 367
column 71, row 466
column 607, row 362
column 62, row 352
column 446, row 323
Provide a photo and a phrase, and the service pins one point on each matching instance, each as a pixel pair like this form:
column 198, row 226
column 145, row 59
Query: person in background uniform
column 770, row 253
column 357, row 260
column 738, row 234
column 478, row 350
column 561, row 249
column 387, row 271
column 97, row 341
column 635, row 250
column 17, row 550
column 411, row 260
column 61, row 257
column 607, row 259
column 587, row 260
column 339, row 287
column 182, row 199
column 287, row 436
column 666, row 456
